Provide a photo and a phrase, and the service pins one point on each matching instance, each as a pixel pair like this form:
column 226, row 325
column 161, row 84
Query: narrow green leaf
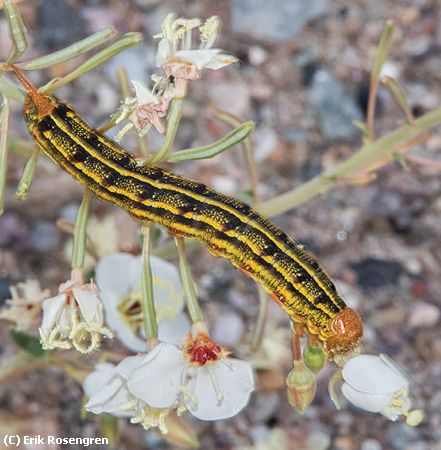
column 11, row 90
column 211, row 150
column 28, row 175
column 126, row 41
column 399, row 96
column 70, row 52
column 382, row 49
column 17, row 31
column 4, row 125
column 109, row 428
column 29, row 343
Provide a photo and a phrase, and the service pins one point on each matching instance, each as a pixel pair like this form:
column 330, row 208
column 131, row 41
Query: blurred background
column 303, row 78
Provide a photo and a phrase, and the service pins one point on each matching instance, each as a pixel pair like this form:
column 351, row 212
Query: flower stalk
column 194, row 309
column 147, row 300
column 369, row 154
column 4, row 126
column 80, row 233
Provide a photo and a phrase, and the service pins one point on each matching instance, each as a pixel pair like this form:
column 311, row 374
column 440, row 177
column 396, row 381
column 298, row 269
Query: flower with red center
column 200, row 378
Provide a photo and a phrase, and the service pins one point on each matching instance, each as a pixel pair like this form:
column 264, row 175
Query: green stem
column 194, row 309
column 80, row 233
column 366, row 156
column 147, row 300
column 124, row 42
column 28, row 175
column 70, row 52
column 173, row 120
column 11, row 90
column 259, row 330
column 4, row 125
column 17, row 31
column 209, row 151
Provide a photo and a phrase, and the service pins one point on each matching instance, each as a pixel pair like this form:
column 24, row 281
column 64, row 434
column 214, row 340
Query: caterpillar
column 230, row 228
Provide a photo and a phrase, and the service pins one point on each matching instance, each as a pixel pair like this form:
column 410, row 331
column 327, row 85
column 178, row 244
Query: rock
column 5, row 293
column 228, row 329
column 424, row 315
column 399, row 435
column 264, row 406
column 44, row 236
column 318, row 440
column 60, row 25
column 14, row 233
column 334, row 107
column 376, row 273
column 231, row 96
column 371, row 444
column 277, row 20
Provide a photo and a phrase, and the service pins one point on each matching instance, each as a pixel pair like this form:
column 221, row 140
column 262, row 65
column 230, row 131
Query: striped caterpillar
column 230, row 228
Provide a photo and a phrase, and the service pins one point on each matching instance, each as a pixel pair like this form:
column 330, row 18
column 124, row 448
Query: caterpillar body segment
column 229, row 227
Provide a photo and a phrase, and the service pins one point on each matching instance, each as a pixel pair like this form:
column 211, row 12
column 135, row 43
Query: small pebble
column 228, row 329
column 371, row 444
column 424, row 315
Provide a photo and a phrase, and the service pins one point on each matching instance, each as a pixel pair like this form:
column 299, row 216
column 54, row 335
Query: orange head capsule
column 347, row 330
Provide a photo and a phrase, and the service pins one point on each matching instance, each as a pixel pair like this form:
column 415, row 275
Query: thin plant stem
column 369, row 154
column 28, row 175
column 398, row 95
column 241, row 133
column 80, row 232
column 147, row 299
column 194, row 309
column 380, row 57
column 4, row 125
column 259, row 329
column 173, row 121
column 248, row 147
column 70, row 52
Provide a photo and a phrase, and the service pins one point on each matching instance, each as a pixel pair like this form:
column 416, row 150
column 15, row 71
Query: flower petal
column 221, row 390
column 370, row 374
column 172, row 331
column 143, row 94
column 200, row 58
column 127, row 366
column 369, row 402
column 111, row 398
column 167, row 287
column 221, row 60
column 117, row 274
column 52, row 308
column 90, row 306
column 157, row 380
column 98, row 378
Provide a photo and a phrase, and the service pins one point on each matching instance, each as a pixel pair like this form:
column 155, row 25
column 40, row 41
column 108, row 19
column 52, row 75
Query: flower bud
column 314, row 358
column 180, row 432
column 302, row 386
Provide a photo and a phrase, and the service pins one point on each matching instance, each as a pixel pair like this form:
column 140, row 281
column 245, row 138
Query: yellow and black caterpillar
column 229, row 227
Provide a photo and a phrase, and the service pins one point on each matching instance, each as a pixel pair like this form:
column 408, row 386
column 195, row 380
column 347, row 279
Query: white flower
column 119, row 279
column 199, row 378
column 74, row 317
column 376, row 384
column 25, row 305
column 147, row 108
column 176, row 55
column 107, row 390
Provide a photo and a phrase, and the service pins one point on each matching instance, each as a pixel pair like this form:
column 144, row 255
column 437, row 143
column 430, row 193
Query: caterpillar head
column 347, row 330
